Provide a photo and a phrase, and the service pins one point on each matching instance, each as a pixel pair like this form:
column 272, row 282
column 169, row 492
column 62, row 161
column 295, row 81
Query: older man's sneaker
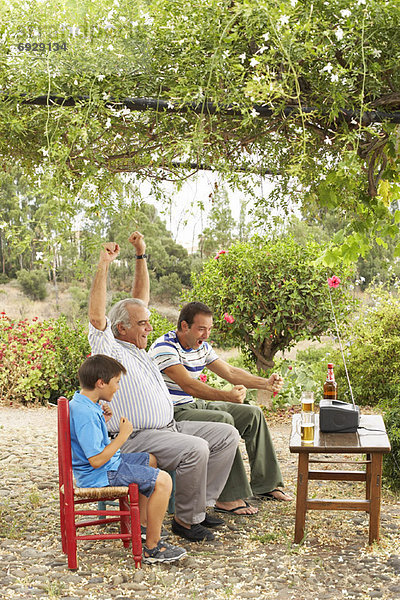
column 164, row 533
column 163, row 552
column 196, row 533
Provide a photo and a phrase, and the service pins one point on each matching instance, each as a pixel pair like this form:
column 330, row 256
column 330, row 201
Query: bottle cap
column 330, row 365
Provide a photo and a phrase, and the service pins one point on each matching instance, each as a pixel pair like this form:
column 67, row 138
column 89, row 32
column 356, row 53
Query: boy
column 97, row 461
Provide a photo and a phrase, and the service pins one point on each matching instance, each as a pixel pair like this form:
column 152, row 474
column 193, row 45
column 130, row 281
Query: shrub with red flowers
column 39, row 360
column 268, row 295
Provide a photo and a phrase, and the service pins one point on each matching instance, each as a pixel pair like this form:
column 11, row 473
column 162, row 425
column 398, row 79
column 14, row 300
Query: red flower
column 219, row 254
column 333, row 281
column 203, row 378
column 290, row 368
column 228, row 318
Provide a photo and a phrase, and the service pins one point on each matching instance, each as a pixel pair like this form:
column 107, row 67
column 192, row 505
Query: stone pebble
column 251, row 558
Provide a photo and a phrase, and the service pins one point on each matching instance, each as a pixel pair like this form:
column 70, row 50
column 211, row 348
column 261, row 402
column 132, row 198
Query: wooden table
column 372, row 442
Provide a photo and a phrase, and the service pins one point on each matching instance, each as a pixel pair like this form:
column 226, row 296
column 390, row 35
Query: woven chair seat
column 100, row 493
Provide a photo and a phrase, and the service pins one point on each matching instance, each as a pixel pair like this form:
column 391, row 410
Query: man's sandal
column 270, row 496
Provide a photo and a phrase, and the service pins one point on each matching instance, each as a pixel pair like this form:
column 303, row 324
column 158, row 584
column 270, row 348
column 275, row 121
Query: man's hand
column 107, row 412
column 237, row 394
column 125, row 427
column 137, row 240
column 110, row 252
column 274, row 383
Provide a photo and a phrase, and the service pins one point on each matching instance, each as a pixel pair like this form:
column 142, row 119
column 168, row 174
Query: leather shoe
column 212, row 521
column 196, row 533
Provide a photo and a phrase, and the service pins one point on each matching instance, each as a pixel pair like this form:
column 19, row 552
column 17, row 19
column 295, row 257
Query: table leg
column 375, row 496
column 368, row 478
column 302, row 487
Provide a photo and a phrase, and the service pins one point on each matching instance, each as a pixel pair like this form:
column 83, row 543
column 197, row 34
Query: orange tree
column 268, row 295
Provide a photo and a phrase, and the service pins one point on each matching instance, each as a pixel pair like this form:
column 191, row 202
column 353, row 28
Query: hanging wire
column 341, row 347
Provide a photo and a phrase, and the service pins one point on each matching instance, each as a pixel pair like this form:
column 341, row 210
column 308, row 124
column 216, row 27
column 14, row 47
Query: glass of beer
column 307, row 433
column 307, row 423
column 307, row 402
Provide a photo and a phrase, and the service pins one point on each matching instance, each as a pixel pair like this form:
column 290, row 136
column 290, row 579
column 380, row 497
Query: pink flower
column 203, row 378
column 333, row 281
column 228, row 318
column 274, row 394
column 290, row 368
column 219, row 254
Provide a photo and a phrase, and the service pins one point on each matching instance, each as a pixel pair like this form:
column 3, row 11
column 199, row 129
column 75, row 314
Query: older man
column 200, row 453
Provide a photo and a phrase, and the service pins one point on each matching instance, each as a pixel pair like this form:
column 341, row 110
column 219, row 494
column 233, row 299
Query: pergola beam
column 210, row 108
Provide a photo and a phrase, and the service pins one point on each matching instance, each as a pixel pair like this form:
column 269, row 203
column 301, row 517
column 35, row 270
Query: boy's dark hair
column 98, row 366
column 190, row 310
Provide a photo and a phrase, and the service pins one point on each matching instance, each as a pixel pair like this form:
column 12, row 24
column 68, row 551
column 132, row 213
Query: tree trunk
column 264, row 398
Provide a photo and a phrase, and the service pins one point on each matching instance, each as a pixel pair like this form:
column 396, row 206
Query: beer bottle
column 330, row 385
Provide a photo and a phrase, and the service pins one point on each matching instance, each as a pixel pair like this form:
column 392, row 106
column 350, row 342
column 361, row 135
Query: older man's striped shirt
column 143, row 397
column 167, row 351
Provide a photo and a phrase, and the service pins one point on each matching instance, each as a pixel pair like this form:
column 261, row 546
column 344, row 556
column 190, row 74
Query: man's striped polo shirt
column 167, row 351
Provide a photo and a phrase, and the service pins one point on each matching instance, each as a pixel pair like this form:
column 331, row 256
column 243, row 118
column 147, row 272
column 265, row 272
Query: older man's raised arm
column 97, row 298
column 141, row 282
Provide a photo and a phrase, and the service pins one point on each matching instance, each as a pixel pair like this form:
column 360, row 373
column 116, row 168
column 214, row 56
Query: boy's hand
column 137, row 240
column 107, row 412
column 125, row 427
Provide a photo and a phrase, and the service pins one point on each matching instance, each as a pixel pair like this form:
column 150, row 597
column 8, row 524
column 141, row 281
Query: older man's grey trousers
column 200, row 453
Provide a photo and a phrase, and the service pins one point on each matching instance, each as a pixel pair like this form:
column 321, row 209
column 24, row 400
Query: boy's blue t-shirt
column 89, row 437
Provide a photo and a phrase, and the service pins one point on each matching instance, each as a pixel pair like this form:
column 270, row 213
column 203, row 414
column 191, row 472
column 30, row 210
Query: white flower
column 284, row 20
column 345, row 13
column 39, row 255
column 262, row 49
column 328, row 141
column 108, row 123
column 293, row 3
column 170, row 104
column 339, row 34
column 254, row 62
column 254, row 113
column 242, row 58
column 100, row 77
column 75, row 82
column 328, row 68
column 376, row 53
column 334, row 77
column 361, row 2
column 110, row 47
column 266, row 36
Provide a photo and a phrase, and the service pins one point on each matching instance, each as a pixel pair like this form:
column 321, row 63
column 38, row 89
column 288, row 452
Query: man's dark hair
column 98, row 366
column 190, row 310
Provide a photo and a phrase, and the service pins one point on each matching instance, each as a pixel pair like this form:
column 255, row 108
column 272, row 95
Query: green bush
column 371, row 347
column 268, row 295
column 39, row 360
column 391, row 461
column 4, row 278
column 33, row 283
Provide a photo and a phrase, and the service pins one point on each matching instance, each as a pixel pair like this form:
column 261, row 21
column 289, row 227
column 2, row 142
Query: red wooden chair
column 70, row 497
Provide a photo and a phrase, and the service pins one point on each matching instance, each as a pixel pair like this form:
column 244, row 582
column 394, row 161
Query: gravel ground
column 251, row 557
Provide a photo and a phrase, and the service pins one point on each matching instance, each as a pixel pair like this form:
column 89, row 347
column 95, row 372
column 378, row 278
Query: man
column 181, row 357
column 200, row 453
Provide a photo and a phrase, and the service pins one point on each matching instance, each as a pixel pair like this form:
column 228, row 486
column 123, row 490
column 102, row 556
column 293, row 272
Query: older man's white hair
column 119, row 314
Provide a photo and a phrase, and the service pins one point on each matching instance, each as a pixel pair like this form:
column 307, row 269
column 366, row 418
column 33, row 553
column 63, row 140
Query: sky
column 184, row 218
